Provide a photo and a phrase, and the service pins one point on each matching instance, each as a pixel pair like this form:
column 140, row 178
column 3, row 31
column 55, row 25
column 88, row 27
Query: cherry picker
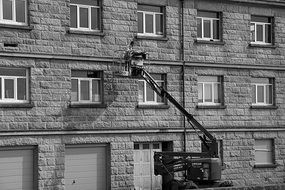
column 200, row 169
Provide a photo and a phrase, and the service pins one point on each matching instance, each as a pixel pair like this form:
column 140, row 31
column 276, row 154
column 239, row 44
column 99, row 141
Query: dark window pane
column 208, row 14
column 140, row 22
column 269, row 94
column 149, row 23
column 155, row 146
column 259, row 33
column 217, row 93
column 86, row 74
column 260, row 94
column 145, row 146
column 159, row 24
column 207, row 29
column 216, row 29
column 96, row 91
column 20, row 11
column 9, row 88
column 74, row 90
column 150, row 8
column 261, row 19
column 85, row 2
column 12, row 72
column 136, row 146
column 21, row 89
column 199, row 28
column 268, row 33
column 7, row 9
column 84, row 90
column 95, row 19
column 83, row 17
column 149, row 94
column 73, row 16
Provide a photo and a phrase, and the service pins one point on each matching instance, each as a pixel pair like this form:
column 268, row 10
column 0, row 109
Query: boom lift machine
column 201, row 169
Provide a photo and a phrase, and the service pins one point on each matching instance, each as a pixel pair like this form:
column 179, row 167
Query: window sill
column 82, row 32
column 262, row 45
column 163, row 106
column 211, row 107
column 78, row 105
column 21, row 27
column 264, row 107
column 200, row 41
column 158, row 38
column 265, row 166
column 17, row 105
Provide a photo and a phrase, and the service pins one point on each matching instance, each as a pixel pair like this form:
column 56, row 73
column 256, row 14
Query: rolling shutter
column 85, row 168
column 16, row 168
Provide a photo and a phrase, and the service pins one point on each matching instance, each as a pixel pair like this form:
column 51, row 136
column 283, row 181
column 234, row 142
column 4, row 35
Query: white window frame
column 154, row 23
column 13, row 21
column 89, row 80
column 212, row 90
column 211, row 28
column 89, row 7
column 264, row 85
column 269, row 150
column 254, row 27
column 145, row 102
column 15, row 80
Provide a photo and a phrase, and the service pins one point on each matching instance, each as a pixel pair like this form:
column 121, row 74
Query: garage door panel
column 85, row 168
column 16, row 168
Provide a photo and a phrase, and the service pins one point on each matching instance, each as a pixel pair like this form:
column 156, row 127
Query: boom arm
column 210, row 143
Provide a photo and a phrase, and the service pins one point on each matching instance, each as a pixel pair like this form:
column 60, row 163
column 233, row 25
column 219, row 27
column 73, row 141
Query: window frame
column 89, row 7
column 211, row 19
column 153, row 34
column 270, row 151
column 15, row 99
column 154, row 103
column 212, row 103
column 14, row 15
column 264, row 85
column 263, row 24
column 90, row 80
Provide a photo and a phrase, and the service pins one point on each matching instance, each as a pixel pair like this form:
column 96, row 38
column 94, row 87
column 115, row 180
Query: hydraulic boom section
column 209, row 143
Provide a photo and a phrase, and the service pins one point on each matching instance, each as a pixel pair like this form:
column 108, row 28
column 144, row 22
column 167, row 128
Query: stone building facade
column 223, row 60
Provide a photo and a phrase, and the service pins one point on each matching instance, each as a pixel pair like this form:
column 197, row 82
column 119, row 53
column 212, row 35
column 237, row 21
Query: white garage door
column 16, row 168
column 85, row 168
column 144, row 177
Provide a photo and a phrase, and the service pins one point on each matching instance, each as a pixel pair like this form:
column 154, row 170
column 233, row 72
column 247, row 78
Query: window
column 147, row 95
column 13, row 12
column 210, row 90
column 86, row 86
column 208, row 26
column 85, row 15
column 262, row 91
column 264, row 151
column 144, row 177
column 150, row 20
column 13, row 85
column 261, row 30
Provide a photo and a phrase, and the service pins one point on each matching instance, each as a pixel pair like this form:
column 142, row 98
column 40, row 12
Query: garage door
column 144, row 178
column 16, row 168
column 85, row 167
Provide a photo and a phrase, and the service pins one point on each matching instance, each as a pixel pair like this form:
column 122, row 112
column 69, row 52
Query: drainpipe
column 183, row 67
